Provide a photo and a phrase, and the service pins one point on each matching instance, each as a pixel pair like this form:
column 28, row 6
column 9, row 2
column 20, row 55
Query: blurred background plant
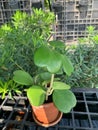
column 19, row 39
column 9, row 88
column 84, row 57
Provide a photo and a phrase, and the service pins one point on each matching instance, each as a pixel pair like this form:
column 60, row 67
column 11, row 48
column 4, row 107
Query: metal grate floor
column 16, row 114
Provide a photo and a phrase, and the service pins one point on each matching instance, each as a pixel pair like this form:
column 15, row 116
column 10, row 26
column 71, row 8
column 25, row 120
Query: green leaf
column 64, row 100
column 57, row 44
column 22, row 77
column 46, row 57
column 3, row 87
column 3, row 95
column 90, row 29
column 18, row 91
column 60, row 86
column 6, row 27
column 36, row 95
column 95, row 38
column 67, row 65
column 45, row 75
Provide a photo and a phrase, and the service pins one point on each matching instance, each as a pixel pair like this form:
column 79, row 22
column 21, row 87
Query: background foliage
column 84, row 57
column 19, row 39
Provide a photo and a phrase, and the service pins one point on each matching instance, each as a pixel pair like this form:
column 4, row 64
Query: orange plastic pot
column 46, row 115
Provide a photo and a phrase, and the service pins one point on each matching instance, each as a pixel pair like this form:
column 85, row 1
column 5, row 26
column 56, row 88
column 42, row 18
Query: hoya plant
column 50, row 62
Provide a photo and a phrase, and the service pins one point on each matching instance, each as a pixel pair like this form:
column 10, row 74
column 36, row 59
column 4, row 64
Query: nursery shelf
column 16, row 114
column 73, row 17
column 9, row 7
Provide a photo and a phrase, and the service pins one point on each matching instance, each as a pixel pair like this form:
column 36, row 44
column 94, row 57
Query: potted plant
column 17, row 41
column 44, row 88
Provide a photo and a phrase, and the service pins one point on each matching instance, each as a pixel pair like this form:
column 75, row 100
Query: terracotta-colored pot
column 46, row 115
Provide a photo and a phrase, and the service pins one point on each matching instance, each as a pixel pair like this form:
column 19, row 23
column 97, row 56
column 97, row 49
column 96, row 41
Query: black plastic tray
column 16, row 114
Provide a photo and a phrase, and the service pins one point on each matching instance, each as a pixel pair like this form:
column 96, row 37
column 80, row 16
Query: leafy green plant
column 85, row 60
column 9, row 88
column 19, row 39
column 92, row 36
column 50, row 62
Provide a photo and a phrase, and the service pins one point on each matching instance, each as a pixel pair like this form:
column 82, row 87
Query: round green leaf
column 36, row 95
column 67, row 65
column 45, row 75
column 55, row 63
column 42, row 56
column 22, row 77
column 60, row 86
column 64, row 100
column 46, row 57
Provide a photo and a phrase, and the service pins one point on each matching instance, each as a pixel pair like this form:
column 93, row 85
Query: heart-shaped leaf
column 64, row 100
column 22, row 77
column 67, row 65
column 60, row 86
column 46, row 57
column 36, row 95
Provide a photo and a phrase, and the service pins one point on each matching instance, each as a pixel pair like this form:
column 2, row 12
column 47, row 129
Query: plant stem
column 17, row 64
column 52, row 79
column 50, row 89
